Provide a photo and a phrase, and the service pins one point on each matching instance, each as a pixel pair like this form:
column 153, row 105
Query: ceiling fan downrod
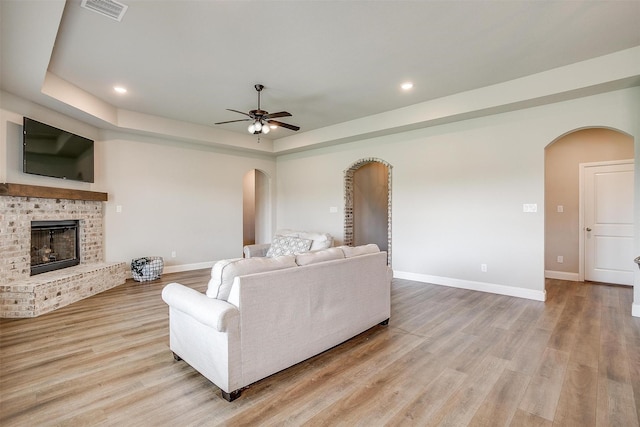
column 259, row 88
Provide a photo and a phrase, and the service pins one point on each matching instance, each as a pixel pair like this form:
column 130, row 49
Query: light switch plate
column 530, row 207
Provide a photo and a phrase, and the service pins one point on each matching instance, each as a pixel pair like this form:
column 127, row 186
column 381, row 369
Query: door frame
column 581, row 201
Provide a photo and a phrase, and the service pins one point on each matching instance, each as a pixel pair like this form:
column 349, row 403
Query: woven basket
column 147, row 268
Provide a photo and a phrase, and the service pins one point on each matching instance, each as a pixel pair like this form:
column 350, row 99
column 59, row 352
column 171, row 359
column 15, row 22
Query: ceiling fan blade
column 276, row 115
column 284, row 125
column 232, row 121
column 241, row 112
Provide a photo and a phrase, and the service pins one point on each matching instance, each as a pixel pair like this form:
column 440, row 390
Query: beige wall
column 562, row 159
column 249, row 208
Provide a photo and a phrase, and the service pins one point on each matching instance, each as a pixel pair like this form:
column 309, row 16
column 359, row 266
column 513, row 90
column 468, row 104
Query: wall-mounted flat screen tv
column 53, row 152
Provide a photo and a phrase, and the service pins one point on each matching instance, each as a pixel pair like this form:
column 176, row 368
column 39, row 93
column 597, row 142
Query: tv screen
column 50, row 151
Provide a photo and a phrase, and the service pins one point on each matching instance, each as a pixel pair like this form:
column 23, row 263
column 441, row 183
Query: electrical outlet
column 560, row 259
column 483, row 268
column 173, row 254
column 560, row 208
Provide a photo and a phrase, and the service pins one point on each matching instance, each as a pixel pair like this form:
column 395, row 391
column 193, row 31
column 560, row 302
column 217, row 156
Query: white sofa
column 318, row 241
column 274, row 319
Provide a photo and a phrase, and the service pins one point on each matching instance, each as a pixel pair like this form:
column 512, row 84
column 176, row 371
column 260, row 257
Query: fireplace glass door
column 54, row 245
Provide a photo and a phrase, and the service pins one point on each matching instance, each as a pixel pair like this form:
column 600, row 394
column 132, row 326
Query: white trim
column 562, row 275
column 635, row 310
column 188, row 267
column 180, row 268
column 474, row 286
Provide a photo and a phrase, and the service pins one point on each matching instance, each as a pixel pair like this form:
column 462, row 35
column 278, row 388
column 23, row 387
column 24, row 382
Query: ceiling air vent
column 111, row 8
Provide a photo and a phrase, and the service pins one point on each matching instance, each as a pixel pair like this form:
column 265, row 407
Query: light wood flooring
column 448, row 357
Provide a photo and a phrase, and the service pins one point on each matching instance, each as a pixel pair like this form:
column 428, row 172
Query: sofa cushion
column 288, row 245
column 319, row 256
column 350, row 251
column 318, row 240
column 224, row 271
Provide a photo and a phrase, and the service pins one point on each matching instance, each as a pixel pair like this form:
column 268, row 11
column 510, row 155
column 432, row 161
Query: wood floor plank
column 578, row 398
column 448, row 357
column 525, row 419
column 615, row 405
column 460, row 408
column 613, row 355
column 543, row 393
column 563, row 336
column 502, row 402
column 527, row 358
column 424, row 406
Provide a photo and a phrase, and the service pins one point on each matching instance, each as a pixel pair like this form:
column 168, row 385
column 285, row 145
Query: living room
column 463, row 166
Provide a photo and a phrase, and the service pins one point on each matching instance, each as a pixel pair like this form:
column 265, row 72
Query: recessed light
column 406, row 85
column 120, row 89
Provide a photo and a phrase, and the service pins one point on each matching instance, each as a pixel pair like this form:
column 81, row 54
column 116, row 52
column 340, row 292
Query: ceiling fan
column 261, row 120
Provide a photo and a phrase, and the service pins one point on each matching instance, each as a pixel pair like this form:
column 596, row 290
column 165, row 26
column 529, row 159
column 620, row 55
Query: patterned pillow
column 288, row 245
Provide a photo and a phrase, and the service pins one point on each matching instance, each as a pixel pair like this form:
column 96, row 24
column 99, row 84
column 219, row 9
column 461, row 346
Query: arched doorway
column 255, row 207
column 367, row 204
column 564, row 235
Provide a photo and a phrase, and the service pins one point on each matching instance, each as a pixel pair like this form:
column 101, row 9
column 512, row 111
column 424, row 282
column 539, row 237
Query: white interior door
column 608, row 222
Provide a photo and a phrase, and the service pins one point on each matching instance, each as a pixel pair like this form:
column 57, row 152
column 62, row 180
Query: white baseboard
column 635, row 310
column 181, row 268
column 188, row 267
column 561, row 275
column 474, row 286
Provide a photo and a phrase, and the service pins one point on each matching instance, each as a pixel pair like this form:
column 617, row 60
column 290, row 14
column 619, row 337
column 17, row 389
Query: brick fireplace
column 26, row 295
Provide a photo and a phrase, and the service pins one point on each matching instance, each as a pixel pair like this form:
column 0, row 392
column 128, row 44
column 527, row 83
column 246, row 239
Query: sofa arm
column 215, row 313
column 259, row 250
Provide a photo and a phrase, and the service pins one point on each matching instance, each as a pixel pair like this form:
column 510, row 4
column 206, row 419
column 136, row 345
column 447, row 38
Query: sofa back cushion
column 224, row 271
column 319, row 256
column 318, row 240
column 351, row 251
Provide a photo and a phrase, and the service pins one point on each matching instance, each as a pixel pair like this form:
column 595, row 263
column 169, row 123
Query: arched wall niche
column 349, row 201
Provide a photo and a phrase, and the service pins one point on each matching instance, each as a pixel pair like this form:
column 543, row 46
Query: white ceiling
column 326, row 62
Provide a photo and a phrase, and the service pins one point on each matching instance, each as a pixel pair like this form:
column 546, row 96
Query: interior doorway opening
column 367, row 200
column 564, row 232
column 255, row 207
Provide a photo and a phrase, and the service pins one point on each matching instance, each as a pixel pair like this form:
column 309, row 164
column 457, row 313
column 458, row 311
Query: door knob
column 588, row 229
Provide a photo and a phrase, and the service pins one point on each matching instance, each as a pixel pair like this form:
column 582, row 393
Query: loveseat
column 262, row 315
column 316, row 241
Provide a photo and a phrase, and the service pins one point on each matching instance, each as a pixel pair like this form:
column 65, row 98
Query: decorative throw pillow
column 288, row 245
column 318, row 240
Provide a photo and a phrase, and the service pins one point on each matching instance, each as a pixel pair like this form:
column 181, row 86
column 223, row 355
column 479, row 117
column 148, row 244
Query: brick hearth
column 22, row 295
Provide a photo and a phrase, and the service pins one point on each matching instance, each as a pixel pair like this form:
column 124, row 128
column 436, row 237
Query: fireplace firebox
column 54, row 245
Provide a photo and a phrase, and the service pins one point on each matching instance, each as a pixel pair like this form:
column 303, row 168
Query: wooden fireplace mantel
column 24, row 190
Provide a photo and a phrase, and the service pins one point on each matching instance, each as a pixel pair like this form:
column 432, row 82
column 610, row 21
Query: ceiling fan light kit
column 261, row 121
